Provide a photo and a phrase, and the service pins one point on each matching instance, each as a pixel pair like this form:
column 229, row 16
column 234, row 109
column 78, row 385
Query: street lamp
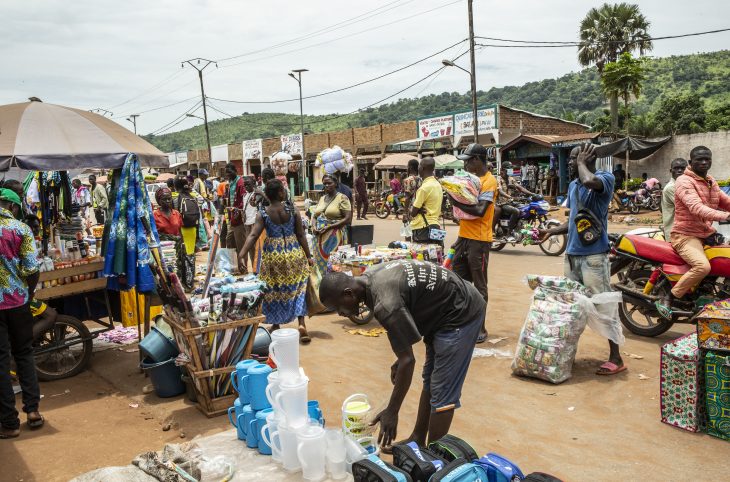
column 298, row 78
column 450, row 63
column 133, row 119
column 196, row 116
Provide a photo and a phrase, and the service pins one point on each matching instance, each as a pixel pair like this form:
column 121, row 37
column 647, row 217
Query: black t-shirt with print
column 415, row 299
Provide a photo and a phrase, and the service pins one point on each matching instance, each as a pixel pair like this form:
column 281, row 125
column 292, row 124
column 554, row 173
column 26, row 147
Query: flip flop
column 36, row 422
column 665, row 311
column 304, row 337
column 610, row 368
column 482, row 337
column 8, row 434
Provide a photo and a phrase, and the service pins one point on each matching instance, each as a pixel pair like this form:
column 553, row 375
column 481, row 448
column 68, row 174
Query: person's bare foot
column 7, row 433
column 35, row 420
column 304, row 337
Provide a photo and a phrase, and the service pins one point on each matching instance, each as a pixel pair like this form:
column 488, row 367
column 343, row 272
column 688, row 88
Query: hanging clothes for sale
column 126, row 251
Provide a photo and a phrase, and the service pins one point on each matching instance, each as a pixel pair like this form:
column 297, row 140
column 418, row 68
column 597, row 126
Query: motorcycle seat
column 649, row 248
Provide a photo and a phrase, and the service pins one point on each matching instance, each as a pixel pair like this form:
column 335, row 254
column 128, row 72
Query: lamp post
column 133, row 119
column 475, row 123
column 298, row 78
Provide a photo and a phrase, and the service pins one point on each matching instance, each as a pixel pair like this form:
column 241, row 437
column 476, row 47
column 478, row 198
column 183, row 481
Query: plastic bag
column 461, row 188
column 601, row 311
column 224, row 260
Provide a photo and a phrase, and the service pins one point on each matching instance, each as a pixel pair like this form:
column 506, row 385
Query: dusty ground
column 588, row 429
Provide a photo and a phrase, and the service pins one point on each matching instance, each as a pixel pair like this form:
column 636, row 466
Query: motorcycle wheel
column 382, row 210
column 364, row 317
column 654, row 205
column 554, row 245
column 69, row 345
column 633, row 207
column 639, row 320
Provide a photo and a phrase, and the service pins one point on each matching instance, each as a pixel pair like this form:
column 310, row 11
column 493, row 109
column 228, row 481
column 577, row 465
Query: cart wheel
column 63, row 350
column 364, row 317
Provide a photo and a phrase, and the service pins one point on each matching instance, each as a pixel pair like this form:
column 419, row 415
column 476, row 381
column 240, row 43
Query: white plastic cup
column 272, row 389
column 354, row 452
column 267, row 435
column 311, row 448
column 284, row 351
column 336, row 454
column 292, row 398
column 286, row 439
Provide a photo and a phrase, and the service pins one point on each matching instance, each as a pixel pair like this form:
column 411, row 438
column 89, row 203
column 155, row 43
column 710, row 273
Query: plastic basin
column 166, row 378
column 157, row 347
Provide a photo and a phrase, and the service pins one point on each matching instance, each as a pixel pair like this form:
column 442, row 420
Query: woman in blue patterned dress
column 285, row 260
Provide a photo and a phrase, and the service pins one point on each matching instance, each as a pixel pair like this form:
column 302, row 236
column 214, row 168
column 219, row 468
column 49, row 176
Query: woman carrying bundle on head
column 330, row 219
column 285, row 259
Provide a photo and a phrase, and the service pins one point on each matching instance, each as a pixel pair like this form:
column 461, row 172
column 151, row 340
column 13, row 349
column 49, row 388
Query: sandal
column 482, row 337
column 36, row 422
column 304, row 337
column 610, row 368
column 665, row 310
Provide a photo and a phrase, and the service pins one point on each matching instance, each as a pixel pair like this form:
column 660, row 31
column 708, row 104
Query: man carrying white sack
column 586, row 259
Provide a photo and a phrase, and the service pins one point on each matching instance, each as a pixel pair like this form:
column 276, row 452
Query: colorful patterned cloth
column 681, row 384
column 713, row 326
column 127, row 251
column 285, row 270
column 717, row 378
column 17, row 260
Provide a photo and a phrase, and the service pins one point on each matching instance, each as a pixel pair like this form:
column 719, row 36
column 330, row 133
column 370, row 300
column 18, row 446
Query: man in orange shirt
column 475, row 235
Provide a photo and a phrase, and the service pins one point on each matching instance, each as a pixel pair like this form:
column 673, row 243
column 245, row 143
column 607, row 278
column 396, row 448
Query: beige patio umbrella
column 43, row 137
column 395, row 161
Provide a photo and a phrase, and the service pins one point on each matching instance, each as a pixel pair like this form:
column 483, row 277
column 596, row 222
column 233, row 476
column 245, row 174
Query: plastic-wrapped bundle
column 329, row 155
column 560, row 310
column 342, row 165
column 463, row 187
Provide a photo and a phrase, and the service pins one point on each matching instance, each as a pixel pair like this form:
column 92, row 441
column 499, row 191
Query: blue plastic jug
column 258, row 427
column 234, row 412
column 254, row 384
column 237, row 377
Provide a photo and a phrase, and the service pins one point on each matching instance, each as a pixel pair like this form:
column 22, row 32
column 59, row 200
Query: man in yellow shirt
column 475, row 235
column 426, row 205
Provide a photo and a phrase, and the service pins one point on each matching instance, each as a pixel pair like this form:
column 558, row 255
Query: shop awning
column 395, row 161
column 42, row 137
column 638, row 148
column 448, row 161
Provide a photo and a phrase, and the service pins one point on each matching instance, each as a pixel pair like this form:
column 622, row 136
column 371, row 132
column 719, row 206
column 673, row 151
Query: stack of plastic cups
column 336, row 454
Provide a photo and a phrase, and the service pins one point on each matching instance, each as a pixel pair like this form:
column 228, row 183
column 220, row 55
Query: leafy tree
column 718, row 119
column 609, row 31
column 622, row 79
column 680, row 113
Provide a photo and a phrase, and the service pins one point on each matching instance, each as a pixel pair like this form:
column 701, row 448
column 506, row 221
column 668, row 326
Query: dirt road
column 589, row 428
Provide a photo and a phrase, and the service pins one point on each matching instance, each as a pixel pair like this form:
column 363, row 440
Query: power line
column 159, row 108
column 574, row 43
column 349, row 35
column 435, row 72
column 343, row 88
column 327, row 29
column 180, row 117
column 147, row 91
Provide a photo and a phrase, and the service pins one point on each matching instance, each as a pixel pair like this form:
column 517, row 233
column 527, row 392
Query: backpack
column 499, row 469
column 189, row 211
column 372, row 469
column 460, row 470
column 541, row 477
column 420, row 463
column 450, row 448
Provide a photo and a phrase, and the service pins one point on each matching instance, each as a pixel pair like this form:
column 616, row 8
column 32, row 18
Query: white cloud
column 101, row 53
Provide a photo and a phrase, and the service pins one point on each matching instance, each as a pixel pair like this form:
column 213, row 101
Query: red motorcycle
column 647, row 268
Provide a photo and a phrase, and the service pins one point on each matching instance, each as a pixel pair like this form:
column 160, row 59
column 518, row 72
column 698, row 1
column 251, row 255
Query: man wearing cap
column 18, row 277
column 199, row 185
column 475, row 235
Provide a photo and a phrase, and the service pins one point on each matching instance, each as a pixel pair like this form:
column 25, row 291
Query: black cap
column 473, row 150
column 506, row 165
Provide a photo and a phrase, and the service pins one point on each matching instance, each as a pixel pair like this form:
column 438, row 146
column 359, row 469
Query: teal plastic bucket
column 157, row 347
column 165, row 377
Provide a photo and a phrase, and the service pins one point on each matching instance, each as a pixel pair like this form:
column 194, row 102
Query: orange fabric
column 222, row 189
column 167, row 225
column 480, row 229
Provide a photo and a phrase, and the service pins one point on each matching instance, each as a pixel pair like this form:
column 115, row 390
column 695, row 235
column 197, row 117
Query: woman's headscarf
column 160, row 192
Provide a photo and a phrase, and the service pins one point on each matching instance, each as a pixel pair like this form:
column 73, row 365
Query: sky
column 126, row 56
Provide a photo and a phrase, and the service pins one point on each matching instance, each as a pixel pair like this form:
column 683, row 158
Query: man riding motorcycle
column 698, row 203
column 503, row 205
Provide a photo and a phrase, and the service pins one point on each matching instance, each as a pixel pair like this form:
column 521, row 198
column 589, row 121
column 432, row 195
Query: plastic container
column 157, row 347
column 166, row 378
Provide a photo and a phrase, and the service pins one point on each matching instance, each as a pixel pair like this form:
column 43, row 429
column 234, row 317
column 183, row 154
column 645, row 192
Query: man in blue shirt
column 586, row 259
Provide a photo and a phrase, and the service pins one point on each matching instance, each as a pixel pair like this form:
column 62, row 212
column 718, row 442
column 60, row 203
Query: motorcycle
column 447, row 210
column 625, row 200
column 386, row 204
column 645, row 199
column 533, row 216
column 647, row 268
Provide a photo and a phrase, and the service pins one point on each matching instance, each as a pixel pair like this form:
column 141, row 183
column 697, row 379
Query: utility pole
column 473, row 71
column 196, row 64
column 298, row 78
column 133, row 119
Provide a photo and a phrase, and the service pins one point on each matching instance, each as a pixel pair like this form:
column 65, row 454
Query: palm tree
column 609, row 31
column 623, row 79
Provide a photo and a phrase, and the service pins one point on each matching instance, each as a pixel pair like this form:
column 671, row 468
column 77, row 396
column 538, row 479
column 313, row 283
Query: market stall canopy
column 395, row 161
column 43, row 137
column 638, row 148
column 448, row 161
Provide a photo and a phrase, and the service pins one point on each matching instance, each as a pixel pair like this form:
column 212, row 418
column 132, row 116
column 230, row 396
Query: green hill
column 574, row 96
